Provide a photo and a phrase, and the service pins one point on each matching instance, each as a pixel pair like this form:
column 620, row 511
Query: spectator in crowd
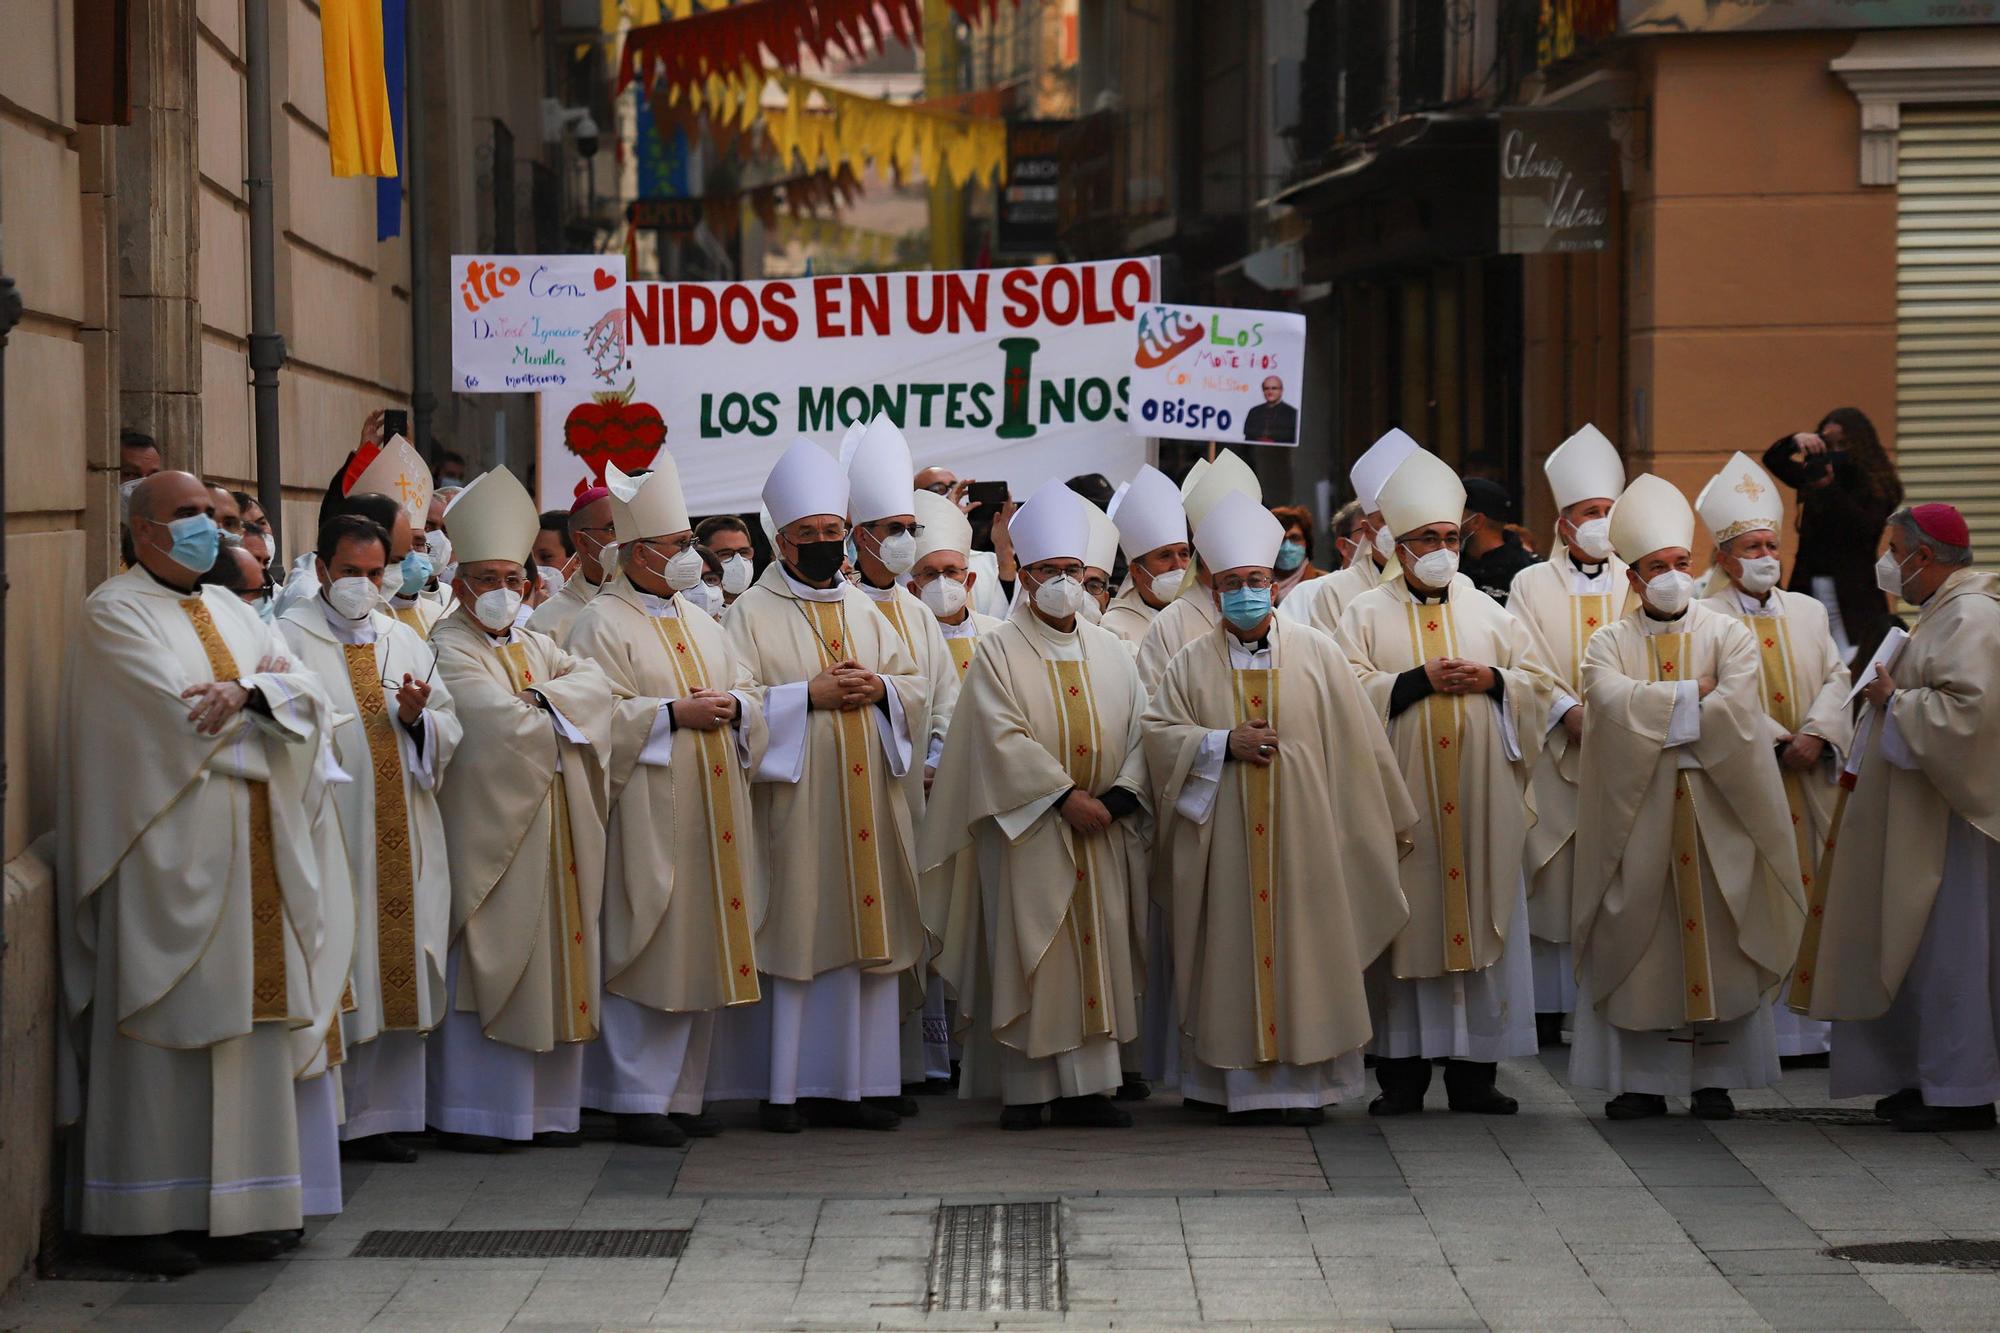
column 1493, row 548
column 728, row 538
column 450, row 470
column 1847, row 489
column 138, row 455
column 1350, row 533
column 256, row 527
column 1295, row 564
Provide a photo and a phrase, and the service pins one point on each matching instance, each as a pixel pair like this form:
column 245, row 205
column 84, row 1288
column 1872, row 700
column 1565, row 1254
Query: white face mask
column 1060, row 598
column 1593, row 538
column 897, row 553
column 684, row 570
column 1669, row 593
column 1090, row 610
column 945, row 597
column 1889, row 574
column 353, row 597
column 1760, row 574
column 707, row 596
column 1165, row 587
column 1436, row 569
column 737, row 573
column 1385, row 543
column 552, row 579
column 438, row 547
column 496, row 609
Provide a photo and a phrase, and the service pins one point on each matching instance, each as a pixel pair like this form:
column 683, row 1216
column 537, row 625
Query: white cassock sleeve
column 417, row 757
column 894, row 729
column 1016, row 822
column 1503, row 718
column 1894, row 748
column 289, row 712
column 936, row 751
column 1197, row 799
column 1564, row 702
column 1684, row 724
column 659, row 748
column 785, row 721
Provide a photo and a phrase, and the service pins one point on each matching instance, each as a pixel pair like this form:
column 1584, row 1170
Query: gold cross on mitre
column 407, row 487
column 1749, row 488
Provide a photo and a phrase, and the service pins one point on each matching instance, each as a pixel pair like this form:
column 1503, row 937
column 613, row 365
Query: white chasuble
column 1563, row 606
column 1689, row 898
column 197, row 896
column 555, row 616
column 1465, row 758
column 1180, row 622
column 1046, row 929
column 1129, row 616
column 1282, row 879
column 1337, row 591
column 678, row 903
column 524, row 823
column 419, row 613
column 1922, row 771
column 837, row 873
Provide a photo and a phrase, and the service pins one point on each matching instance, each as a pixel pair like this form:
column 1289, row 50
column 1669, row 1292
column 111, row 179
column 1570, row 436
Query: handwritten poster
column 1231, row 376
column 526, row 323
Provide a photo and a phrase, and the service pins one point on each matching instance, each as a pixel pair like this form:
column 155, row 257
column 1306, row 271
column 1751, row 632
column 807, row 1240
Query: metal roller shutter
column 1948, row 313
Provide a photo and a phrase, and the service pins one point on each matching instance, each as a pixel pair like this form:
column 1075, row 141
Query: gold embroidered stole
column 736, row 956
column 1669, row 660
column 961, row 651
column 1588, row 613
column 892, row 611
column 573, row 1017
column 1076, row 727
column 1774, row 677
column 410, row 616
column 395, row 872
column 1257, row 697
column 864, row 869
column 268, row 996
column 1799, row 998
column 1443, row 720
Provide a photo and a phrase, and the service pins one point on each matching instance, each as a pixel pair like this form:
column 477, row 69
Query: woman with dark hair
column 1295, row 564
column 1847, row 489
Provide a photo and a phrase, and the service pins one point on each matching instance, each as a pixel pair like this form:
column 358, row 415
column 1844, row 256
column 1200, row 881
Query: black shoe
column 904, row 1107
column 162, row 1256
column 290, row 1240
column 1088, row 1113
column 1265, row 1116
column 559, row 1138
column 696, row 1126
column 1133, row 1089
column 477, row 1143
column 377, row 1148
column 257, row 1247
column 1888, row 1108
column 1635, row 1106
column 651, row 1131
column 1028, row 1116
column 1924, row 1118
column 1469, row 1090
column 1548, row 1030
column 1200, row 1107
column 781, row 1118
column 1810, row 1060
column 1712, row 1104
column 830, row 1113
column 1305, row 1117
column 1392, row 1103
column 930, row 1087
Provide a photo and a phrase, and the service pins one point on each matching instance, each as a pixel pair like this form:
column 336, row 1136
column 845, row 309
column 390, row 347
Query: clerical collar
column 195, row 591
column 807, row 593
column 656, row 606
column 1425, row 596
column 876, row 594
column 965, row 628
column 1658, row 619
column 1585, row 568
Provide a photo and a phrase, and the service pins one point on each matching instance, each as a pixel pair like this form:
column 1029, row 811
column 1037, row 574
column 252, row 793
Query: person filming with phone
column 1847, row 489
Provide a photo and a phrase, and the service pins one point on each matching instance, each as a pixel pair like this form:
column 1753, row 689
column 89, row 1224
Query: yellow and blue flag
column 359, row 127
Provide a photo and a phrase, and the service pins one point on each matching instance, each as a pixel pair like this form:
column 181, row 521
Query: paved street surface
column 1550, row 1220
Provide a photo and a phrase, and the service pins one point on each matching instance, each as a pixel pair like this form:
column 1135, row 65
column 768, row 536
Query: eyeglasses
column 894, row 530
column 1256, row 582
column 939, row 488
column 488, row 582
column 397, row 684
column 1425, row 542
column 1044, row 572
column 1097, row 587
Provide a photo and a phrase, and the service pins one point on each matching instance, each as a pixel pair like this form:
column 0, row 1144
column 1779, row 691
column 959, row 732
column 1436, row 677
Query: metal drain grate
column 627, row 1244
column 1950, row 1253
column 1812, row 1115
column 997, row 1256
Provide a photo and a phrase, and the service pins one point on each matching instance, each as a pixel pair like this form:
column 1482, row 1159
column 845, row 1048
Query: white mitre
column 1422, row 490
column 1741, row 498
column 945, row 527
column 650, row 505
column 1376, row 465
column 1238, row 533
column 1103, row 552
column 1652, row 515
column 1226, row 474
column 1150, row 514
column 1586, row 466
column 804, row 481
column 1052, row 525
column 493, row 518
column 879, row 474
column 1193, row 477
column 850, row 441
column 398, row 472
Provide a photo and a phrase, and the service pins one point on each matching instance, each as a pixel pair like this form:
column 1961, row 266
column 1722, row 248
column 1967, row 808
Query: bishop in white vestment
column 1322, row 602
column 1152, row 527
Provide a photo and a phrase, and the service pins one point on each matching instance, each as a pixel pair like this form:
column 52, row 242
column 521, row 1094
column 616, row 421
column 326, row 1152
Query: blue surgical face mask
column 417, row 570
column 1291, row 555
column 1246, row 608
column 196, row 539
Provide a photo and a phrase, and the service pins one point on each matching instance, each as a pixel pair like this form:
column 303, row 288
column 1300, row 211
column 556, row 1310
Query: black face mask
column 818, row 562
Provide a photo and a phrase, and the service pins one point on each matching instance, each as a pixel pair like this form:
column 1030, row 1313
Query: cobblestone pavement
column 1554, row 1219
